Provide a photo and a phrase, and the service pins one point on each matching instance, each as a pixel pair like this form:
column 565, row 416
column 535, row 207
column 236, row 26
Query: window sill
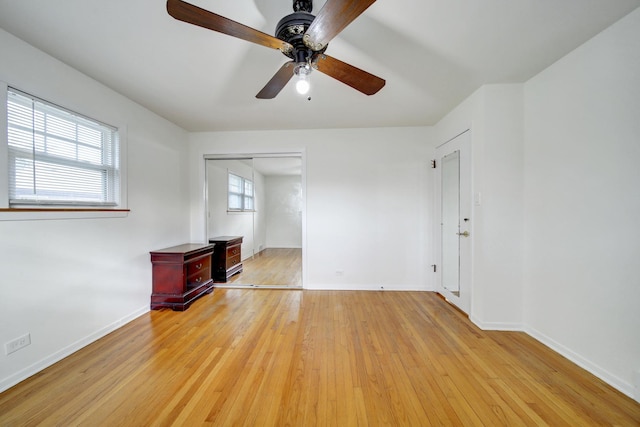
column 26, row 214
column 233, row 211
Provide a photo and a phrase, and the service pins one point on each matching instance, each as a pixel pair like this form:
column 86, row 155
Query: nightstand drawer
column 233, row 260
column 197, row 266
column 233, row 251
column 198, row 277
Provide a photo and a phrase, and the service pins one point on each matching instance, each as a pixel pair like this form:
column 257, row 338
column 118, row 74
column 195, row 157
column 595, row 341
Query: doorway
column 454, row 221
column 259, row 198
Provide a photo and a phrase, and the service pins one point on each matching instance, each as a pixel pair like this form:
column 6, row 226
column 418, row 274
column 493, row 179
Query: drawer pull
column 199, row 266
column 199, row 279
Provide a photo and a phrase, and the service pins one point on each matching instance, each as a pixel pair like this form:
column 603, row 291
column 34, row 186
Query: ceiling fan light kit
column 291, row 29
column 300, row 36
column 302, row 72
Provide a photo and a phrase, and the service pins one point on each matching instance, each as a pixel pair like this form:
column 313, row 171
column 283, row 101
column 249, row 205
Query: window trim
column 242, row 195
column 60, row 211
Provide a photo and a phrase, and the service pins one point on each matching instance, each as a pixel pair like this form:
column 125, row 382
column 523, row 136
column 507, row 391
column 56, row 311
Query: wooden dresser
column 227, row 257
column 180, row 275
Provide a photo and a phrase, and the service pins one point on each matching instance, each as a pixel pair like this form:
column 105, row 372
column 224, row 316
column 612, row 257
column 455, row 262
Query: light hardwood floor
column 306, row 358
column 273, row 267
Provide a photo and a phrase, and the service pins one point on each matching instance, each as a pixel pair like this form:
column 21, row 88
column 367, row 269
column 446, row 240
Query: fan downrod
column 303, row 6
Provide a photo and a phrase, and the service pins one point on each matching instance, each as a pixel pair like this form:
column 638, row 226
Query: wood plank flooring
column 272, row 267
column 314, row 358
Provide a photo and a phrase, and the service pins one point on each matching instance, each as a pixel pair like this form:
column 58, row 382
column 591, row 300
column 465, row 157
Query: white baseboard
column 357, row 287
column 615, row 382
column 25, row 373
column 604, row 375
column 496, row 326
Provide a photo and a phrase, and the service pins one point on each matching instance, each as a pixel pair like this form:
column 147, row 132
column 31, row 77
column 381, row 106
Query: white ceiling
column 276, row 166
column 432, row 53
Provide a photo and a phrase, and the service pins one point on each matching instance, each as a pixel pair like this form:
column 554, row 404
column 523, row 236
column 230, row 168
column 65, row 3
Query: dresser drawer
column 233, row 251
column 198, row 271
column 198, row 265
column 199, row 277
column 233, row 260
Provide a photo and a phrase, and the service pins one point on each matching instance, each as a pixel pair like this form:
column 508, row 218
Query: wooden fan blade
column 333, row 18
column 277, row 82
column 348, row 74
column 191, row 14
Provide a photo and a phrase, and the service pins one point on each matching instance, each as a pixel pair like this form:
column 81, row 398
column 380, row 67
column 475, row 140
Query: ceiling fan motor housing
column 291, row 29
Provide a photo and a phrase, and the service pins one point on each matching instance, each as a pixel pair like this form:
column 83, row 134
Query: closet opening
column 254, row 217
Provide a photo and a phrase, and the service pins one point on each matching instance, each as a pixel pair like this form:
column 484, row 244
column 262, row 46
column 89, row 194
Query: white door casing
column 453, row 220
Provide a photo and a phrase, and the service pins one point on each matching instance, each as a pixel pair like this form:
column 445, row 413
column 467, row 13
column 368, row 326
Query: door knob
column 464, row 233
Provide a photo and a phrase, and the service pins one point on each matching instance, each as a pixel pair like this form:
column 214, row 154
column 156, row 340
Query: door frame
column 462, row 143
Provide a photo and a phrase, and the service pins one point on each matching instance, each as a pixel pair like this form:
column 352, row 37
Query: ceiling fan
column 301, row 36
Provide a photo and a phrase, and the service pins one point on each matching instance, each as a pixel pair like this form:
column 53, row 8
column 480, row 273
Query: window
column 240, row 193
column 58, row 157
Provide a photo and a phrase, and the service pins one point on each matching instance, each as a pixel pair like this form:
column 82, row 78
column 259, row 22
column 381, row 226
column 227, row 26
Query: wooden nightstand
column 180, row 275
column 227, row 257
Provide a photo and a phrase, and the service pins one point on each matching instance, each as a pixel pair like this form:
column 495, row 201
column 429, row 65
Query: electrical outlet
column 17, row 344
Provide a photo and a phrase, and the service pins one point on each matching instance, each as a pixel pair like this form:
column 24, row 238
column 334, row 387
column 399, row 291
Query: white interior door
column 453, row 220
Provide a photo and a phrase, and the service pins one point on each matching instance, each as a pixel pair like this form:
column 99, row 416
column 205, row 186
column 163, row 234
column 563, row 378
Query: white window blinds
column 59, row 157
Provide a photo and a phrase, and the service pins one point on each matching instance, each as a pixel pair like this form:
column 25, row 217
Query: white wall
column 283, row 211
column 556, row 235
column 555, row 238
column 494, row 115
column 68, row 282
column 367, row 194
column 582, row 200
